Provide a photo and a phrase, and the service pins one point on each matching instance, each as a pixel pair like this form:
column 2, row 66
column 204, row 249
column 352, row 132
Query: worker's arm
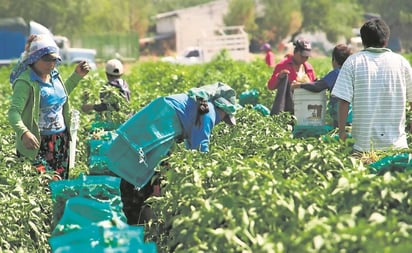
column 343, row 109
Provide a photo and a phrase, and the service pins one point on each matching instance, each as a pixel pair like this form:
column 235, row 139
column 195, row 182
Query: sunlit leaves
column 257, row 190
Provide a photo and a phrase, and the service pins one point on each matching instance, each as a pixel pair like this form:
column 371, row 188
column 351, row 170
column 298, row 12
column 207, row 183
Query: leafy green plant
column 259, row 189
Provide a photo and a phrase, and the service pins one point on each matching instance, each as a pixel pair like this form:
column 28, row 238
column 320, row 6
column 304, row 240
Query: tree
column 73, row 18
column 280, row 19
column 288, row 19
column 170, row 5
column 397, row 14
column 48, row 13
column 241, row 12
column 140, row 13
column 336, row 19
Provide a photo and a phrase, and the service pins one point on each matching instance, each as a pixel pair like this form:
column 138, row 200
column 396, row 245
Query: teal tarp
column 249, row 97
column 99, row 188
column 220, row 94
column 97, row 238
column 310, row 131
column 400, row 162
column 142, row 142
column 262, row 109
column 80, row 212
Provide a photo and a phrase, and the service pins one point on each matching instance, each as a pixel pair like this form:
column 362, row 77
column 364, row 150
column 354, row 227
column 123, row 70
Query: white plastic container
column 310, row 107
column 74, row 126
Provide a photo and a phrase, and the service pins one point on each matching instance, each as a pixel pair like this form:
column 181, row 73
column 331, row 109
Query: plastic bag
column 143, row 141
column 98, row 165
column 262, row 109
column 310, row 131
column 100, row 188
column 97, row 162
column 94, row 238
column 80, row 212
column 401, row 162
column 249, row 97
column 215, row 93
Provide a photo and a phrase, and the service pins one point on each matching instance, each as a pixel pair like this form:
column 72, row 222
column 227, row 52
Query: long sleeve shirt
column 196, row 136
column 24, row 110
column 287, row 63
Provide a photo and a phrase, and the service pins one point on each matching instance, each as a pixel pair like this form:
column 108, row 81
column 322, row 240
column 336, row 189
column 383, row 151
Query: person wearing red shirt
column 269, row 55
column 292, row 68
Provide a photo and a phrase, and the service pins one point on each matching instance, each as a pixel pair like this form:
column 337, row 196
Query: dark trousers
column 284, row 98
column 135, row 209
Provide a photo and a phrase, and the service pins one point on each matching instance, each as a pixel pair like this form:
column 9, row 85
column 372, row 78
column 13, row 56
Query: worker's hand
column 283, row 73
column 28, row 42
column 87, row 108
column 295, row 84
column 82, row 68
column 30, row 141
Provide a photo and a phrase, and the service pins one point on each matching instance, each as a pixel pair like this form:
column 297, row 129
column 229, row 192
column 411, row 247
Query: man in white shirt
column 378, row 84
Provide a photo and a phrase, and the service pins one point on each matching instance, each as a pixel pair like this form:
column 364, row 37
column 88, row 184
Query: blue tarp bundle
column 142, row 142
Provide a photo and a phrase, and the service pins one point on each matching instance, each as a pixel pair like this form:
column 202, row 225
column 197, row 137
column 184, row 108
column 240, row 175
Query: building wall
column 193, row 24
column 166, row 24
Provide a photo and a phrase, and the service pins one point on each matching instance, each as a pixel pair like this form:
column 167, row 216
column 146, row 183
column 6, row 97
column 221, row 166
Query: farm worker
column 339, row 55
column 269, row 55
column 114, row 71
column 293, row 68
column 147, row 137
column 378, row 84
column 114, row 96
column 40, row 111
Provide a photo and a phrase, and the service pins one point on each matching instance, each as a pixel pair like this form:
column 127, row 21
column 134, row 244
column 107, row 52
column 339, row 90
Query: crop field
column 259, row 189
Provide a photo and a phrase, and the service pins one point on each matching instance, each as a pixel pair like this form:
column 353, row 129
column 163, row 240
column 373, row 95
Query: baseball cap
column 114, row 67
column 304, row 47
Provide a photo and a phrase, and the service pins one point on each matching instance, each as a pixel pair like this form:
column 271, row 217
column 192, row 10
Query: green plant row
column 279, row 194
column 257, row 190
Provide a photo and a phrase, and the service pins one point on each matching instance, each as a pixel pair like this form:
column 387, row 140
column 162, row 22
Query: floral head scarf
column 41, row 45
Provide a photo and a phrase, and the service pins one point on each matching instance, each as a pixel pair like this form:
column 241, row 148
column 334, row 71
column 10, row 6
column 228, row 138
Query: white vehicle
column 356, row 44
column 192, row 55
column 14, row 33
column 72, row 55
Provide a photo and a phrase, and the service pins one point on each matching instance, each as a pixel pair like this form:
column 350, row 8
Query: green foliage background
column 257, row 190
column 271, row 20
